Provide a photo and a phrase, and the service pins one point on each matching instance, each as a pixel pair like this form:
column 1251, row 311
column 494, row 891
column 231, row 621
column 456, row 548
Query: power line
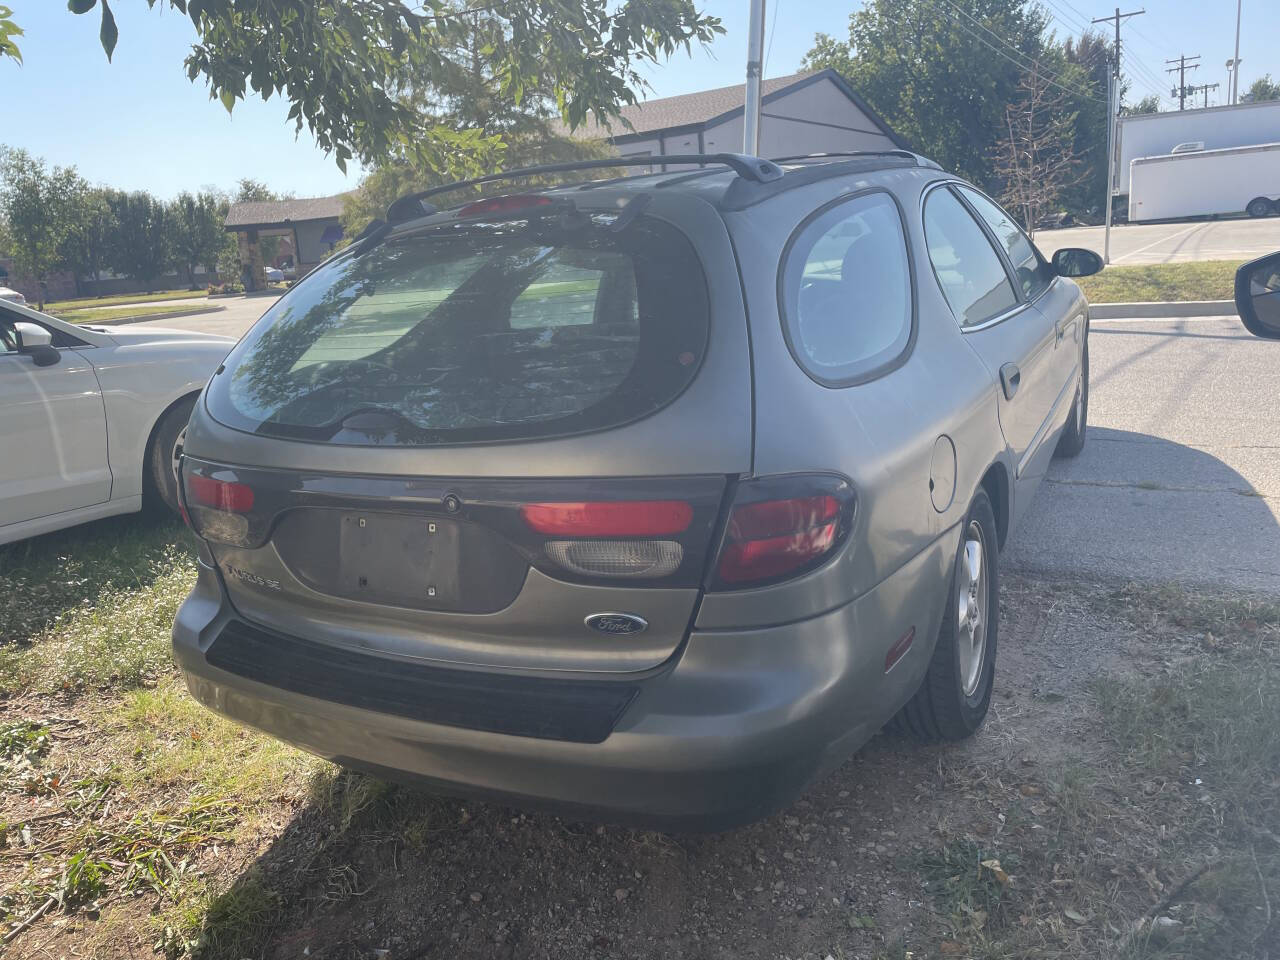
column 1027, row 63
column 768, row 50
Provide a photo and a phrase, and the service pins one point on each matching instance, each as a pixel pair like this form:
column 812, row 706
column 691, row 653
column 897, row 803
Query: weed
column 971, row 883
column 84, row 879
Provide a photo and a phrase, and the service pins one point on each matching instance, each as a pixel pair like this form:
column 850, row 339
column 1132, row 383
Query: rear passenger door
column 1014, row 340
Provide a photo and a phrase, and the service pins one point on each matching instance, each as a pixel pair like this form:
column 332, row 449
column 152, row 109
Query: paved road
column 1180, row 476
column 1172, row 242
column 238, row 315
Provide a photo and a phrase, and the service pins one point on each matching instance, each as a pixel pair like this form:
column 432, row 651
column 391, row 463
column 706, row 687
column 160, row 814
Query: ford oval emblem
column 616, row 623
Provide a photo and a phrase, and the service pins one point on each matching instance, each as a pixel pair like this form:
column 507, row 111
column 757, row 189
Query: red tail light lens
column 507, row 204
column 623, row 518
column 771, row 537
column 219, row 494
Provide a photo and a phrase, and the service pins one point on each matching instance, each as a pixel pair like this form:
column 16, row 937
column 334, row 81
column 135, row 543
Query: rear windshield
column 476, row 331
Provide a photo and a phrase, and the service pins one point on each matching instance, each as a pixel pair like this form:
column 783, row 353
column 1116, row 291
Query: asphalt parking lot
column 1180, row 478
column 1140, row 243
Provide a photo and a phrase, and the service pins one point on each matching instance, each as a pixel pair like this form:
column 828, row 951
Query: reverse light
column 783, row 526
column 508, row 204
column 650, row 559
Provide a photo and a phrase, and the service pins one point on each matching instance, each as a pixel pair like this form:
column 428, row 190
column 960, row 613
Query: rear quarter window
column 845, row 290
column 474, row 332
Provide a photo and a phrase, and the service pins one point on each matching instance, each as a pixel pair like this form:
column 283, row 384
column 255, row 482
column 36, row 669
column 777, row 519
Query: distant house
column 311, row 225
column 817, row 112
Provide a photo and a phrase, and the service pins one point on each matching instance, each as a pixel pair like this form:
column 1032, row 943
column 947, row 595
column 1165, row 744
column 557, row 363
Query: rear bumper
column 732, row 729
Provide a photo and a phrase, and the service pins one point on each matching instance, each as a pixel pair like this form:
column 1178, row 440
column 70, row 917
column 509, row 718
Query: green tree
column 341, row 63
column 465, row 93
column 937, row 71
column 9, row 30
column 1264, row 88
column 142, row 248
column 1086, row 63
column 36, row 203
column 92, row 228
column 1148, row 104
column 197, row 233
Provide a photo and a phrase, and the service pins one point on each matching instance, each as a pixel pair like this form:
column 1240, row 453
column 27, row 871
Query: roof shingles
column 261, row 213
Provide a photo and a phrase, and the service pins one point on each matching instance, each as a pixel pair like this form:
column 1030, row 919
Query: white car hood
column 131, row 335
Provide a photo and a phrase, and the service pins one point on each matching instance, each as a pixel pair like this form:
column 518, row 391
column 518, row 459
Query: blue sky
column 138, row 123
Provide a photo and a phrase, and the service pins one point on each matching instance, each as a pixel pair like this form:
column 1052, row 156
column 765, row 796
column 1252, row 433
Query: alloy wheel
column 971, row 599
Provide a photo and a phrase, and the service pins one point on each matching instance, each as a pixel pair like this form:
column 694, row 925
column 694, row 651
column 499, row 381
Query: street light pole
column 1235, row 68
column 755, row 56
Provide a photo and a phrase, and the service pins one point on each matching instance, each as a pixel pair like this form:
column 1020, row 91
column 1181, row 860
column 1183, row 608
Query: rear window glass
column 476, row 331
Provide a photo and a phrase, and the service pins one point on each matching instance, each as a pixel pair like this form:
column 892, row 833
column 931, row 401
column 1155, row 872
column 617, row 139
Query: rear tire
column 954, row 697
column 1259, row 207
column 162, row 452
column 1073, row 434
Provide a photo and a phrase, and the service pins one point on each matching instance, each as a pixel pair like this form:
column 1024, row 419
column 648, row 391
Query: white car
column 93, row 420
column 274, row 275
column 13, row 296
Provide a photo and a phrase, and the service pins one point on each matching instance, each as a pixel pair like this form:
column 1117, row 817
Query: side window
column 846, row 290
column 1033, row 273
column 969, row 270
column 8, row 339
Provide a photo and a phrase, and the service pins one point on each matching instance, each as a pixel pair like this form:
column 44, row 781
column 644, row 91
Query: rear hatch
column 499, row 437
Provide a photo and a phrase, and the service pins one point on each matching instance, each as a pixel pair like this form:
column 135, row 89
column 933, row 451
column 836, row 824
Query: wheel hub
column 971, row 599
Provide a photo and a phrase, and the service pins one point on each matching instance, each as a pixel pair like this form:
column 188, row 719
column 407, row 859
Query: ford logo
column 616, row 623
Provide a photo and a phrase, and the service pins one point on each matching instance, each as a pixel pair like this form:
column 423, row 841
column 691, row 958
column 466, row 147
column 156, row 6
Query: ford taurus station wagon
column 648, row 498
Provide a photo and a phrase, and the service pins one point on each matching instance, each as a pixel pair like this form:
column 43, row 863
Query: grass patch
column 100, row 314
column 80, row 303
column 92, row 606
column 1207, row 280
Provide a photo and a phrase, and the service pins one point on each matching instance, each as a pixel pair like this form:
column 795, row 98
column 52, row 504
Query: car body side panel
column 881, row 434
column 141, row 374
column 53, row 436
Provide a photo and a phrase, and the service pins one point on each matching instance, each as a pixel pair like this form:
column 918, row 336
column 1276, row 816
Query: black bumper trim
column 579, row 711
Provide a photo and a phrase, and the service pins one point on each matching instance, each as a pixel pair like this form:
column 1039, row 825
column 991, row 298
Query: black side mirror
column 1258, row 296
column 37, row 343
column 1076, row 262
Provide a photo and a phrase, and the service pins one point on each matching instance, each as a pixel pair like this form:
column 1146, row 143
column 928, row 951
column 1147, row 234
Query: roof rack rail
column 410, row 207
column 922, row 161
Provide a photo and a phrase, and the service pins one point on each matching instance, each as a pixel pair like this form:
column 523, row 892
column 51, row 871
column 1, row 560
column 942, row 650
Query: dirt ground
column 1046, row 835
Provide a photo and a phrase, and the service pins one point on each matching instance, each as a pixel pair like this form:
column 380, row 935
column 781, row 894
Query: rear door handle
column 1010, row 378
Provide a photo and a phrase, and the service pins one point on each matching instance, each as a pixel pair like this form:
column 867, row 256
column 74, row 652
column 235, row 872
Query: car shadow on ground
column 1140, row 507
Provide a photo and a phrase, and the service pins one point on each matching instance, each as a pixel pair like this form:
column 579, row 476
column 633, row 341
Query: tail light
column 218, row 509
column 780, row 527
column 506, row 204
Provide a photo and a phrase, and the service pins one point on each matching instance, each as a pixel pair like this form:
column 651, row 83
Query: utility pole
column 1113, row 112
column 1203, row 88
column 755, row 56
column 1183, row 65
column 1235, row 61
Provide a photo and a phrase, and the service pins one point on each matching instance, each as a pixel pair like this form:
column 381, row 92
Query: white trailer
column 1206, row 183
column 1156, row 134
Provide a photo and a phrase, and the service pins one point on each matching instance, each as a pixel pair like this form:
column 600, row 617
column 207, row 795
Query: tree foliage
column 85, row 250
column 1035, row 159
column 341, row 63
column 9, row 30
column 37, row 205
column 143, row 242
column 1148, row 104
column 196, row 231
column 1264, row 88
column 465, row 93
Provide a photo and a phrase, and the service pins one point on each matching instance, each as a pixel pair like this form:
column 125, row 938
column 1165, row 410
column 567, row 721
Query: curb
column 1184, row 308
column 156, row 316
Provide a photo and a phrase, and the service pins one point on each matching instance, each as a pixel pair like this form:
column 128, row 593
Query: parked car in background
column 650, row 498
column 92, row 419
column 273, row 274
column 13, row 296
